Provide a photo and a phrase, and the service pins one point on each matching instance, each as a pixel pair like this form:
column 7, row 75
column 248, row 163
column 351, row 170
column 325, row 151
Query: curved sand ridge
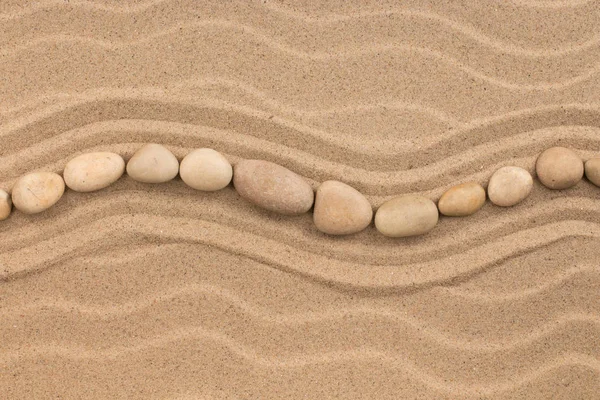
column 145, row 291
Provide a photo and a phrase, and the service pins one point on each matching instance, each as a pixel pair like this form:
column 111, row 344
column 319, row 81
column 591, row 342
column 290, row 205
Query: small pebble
column 38, row 191
column 93, row 171
column 559, row 168
column 272, row 187
column 153, row 163
column 340, row 209
column 205, row 169
column 592, row 170
column 509, row 186
column 5, row 205
column 406, row 216
column 462, row 200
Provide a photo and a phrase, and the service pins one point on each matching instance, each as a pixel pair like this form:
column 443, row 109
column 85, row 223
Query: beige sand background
column 161, row 292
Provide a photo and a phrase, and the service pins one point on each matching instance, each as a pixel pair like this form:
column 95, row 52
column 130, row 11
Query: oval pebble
column 406, row 216
column 5, row 205
column 462, row 200
column 340, row 209
column 93, row 171
column 592, row 170
column 272, row 187
column 38, row 191
column 509, row 186
column 153, row 163
column 559, row 168
column 205, row 169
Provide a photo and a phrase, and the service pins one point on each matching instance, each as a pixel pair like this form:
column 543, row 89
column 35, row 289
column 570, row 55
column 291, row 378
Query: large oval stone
column 5, row 205
column 559, row 168
column 272, row 187
column 406, row 216
column 509, row 186
column 93, row 171
column 205, row 169
column 153, row 163
column 38, row 191
column 462, row 200
column 592, row 170
column 340, row 209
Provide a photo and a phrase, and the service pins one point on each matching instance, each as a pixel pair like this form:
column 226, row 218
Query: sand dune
column 158, row 291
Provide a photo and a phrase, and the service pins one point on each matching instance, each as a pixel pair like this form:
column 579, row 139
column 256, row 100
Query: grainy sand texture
column 143, row 291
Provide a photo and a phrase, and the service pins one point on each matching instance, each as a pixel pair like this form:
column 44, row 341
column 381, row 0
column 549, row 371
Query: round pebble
column 340, row 209
column 592, row 170
column 205, row 169
column 38, row 191
column 406, row 216
column 5, row 205
column 153, row 163
column 93, row 171
column 462, row 200
column 509, row 186
column 272, row 187
column 559, row 168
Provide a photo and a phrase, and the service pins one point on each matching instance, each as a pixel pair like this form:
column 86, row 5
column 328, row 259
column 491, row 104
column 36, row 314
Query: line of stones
column 338, row 209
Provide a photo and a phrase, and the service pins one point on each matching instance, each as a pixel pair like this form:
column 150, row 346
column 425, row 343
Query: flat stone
column 153, row 163
column 272, row 187
column 592, row 170
column 509, row 186
column 5, row 205
column 206, row 169
column 340, row 209
column 559, row 168
column 406, row 216
column 38, row 191
column 462, row 200
column 93, row 171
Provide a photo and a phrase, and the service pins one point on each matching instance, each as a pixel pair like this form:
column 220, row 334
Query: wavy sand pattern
column 156, row 291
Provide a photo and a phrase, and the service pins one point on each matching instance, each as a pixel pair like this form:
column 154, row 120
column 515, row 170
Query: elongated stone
column 559, row 168
column 5, row 205
column 272, row 187
column 153, row 163
column 406, row 216
column 93, row 171
column 509, row 186
column 205, row 169
column 340, row 209
column 462, row 200
column 38, row 191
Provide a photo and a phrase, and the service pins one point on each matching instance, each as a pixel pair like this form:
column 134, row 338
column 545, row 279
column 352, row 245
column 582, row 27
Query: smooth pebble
column 406, row 216
column 93, row 171
column 462, row 200
column 5, row 205
column 559, row 168
column 272, row 187
column 592, row 170
column 509, row 186
column 340, row 209
column 205, row 169
column 38, row 191
column 153, row 163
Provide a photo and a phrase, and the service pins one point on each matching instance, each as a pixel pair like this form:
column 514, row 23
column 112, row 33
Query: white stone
column 406, row 216
column 509, row 186
column 5, row 205
column 38, row 191
column 206, row 169
column 93, row 171
column 153, row 163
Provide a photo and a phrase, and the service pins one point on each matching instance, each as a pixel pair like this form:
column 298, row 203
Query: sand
column 161, row 292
